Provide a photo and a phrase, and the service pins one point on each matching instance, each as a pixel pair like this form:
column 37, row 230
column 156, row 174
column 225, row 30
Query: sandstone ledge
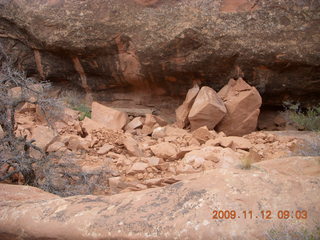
column 179, row 211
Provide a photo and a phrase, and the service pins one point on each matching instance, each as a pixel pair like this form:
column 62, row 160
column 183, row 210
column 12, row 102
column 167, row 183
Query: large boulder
column 109, row 117
column 243, row 103
column 168, row 44
column 183, row 110
column 207, row 110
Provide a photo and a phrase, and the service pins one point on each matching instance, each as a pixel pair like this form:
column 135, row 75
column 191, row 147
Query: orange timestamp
column 264, row 214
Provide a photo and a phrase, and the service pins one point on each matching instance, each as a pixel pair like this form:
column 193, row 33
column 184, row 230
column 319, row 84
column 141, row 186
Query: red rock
column 204, row 153
column 132, row 147
column 30, row 95
column 137, row 122
column 202, row 134
column 109, row 117
column 164, row 150
column 243, row 107
column 153, row 161
column 184, row 169
column 76, row 143
column 152, row 122
column 207, row 110
column 173, row 131
column 233, row 142
column 183, row 151
column 154, row 182
column 184, row 109
column 43, row 136
column 137, row 167
column 159, row 132
column 26, row 107
column 160, row 121
column 240, row 143
column 90, row 125
column 56, row 146
column 194, row 142
column 105, row 149
column 70, row 115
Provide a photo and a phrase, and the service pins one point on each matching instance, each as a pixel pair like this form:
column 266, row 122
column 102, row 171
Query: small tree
column 16, row 89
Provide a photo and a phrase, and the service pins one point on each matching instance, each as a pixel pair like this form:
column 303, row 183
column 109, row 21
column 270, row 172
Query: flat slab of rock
column 90, row 125
column 109, row 117
column 183, row 210
column 43, row 136
column 183, row 110
column 164, row 150
column 134, row 123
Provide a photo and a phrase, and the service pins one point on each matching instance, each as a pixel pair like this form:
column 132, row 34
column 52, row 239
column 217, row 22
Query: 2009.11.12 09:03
column 264, row 214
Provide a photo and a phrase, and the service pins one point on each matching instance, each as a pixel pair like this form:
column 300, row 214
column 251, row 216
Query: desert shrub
column 17, row 154
column 75, row 100
column 84, row 110
column 246, row 162
column 308, row 119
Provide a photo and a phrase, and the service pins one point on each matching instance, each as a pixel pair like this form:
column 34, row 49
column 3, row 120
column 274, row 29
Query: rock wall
column 161, row 47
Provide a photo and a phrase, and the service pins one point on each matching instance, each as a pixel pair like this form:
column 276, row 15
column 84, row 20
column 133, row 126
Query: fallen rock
column 230, row 142
column 203, row 134
column 75, row 143
column 153, row 161
column 240, row 143
column 159, row 132
column 105, row 149
column 116, row 184
column 151, row 122
column 184, row 150
column 26, row 107
column 70, row 115
column 206, row 153
column 31, row 94
column 183, row 110
column 177, row 132
column 186, row 169
column 89, row 125
column 164, row 150
column 161, row 121
column 207, row 110
column 43, row 136
column 132, row 146
column 109, row 117
column 137, row 122
column 194, row 142
column 56, row 147
column 222, row 157
column 243, row 107
column 138, row 167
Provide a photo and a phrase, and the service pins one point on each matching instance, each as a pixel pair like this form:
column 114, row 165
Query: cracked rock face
column 163, row 46
column 183, row 210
